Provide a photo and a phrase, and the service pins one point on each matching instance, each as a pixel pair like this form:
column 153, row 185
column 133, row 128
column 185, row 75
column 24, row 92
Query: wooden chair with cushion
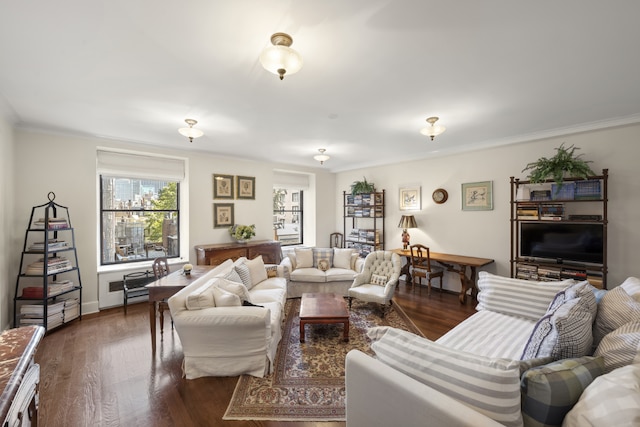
column 336, row 240
column 421, row 267
column 160, row 268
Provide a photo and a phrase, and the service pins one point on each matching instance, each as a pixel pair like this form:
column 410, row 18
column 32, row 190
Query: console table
column 455, row 263
column 218, row 253
column 19, row 375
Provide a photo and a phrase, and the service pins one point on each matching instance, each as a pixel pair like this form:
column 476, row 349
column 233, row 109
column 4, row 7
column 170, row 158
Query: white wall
column 67, row 166
column 446, row 228
column 6, row 219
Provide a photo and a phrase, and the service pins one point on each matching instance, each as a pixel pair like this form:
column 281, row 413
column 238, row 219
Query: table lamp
column 406, row 221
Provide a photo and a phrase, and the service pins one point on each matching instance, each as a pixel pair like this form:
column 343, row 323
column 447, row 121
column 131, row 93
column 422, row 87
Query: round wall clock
column 440, row 195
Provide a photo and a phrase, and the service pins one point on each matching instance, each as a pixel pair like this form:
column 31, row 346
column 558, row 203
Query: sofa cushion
column 576, row 290
column 616, row 308
column 304, row 258
column 490, row 386
column 377, row 279
column 550, row 391
column 632, row 287
column 322, row 253
column 233, row 276
column 611, row 400
column 257, row 270
column 516, row 297
column 339, row 274
column 323, row 264
column 563, row 332
column 620, row 347
column 225, row 298
column 342, row 258
column 308, row 275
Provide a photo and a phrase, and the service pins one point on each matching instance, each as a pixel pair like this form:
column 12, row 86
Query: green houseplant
column 363, row 186
column 242, row 233
column 564, row 164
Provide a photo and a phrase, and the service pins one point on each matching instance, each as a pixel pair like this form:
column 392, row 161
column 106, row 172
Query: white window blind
column 140, row 165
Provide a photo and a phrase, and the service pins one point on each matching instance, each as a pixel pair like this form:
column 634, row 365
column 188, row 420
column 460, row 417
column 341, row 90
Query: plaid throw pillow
column 320, row 254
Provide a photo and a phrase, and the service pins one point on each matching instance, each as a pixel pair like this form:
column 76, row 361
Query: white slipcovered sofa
column 532, row 352
column 222, row 337
column 320, row 270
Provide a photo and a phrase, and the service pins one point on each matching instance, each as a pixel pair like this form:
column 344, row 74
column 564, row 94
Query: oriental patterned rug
column 307, row 382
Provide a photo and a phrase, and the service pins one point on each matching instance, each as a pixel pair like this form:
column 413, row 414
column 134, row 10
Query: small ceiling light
column 190, row 132
column 280, row 59
column 321, row 157
column 433, row 130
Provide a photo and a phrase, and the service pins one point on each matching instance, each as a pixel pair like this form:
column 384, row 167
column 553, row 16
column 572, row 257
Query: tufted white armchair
column 378, row 279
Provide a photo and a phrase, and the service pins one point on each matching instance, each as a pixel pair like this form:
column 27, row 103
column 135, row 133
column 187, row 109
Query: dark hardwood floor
column 99, row 371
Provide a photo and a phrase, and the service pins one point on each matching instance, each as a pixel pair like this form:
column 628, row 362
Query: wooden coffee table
column 324, row 309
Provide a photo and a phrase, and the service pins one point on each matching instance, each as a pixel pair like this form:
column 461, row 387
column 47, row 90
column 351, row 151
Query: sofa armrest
column 287, row 267
column 399, row 397
column 359, row 264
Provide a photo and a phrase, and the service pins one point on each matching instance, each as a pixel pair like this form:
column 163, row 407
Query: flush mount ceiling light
column 321, row 157
column 280, row 59
column 433, row 130
column 190, row 132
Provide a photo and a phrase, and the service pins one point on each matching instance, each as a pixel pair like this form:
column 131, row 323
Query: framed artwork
column 410, row 199
column 223, row 215
column 246, row 187
column 477, row 196
column 222, row 186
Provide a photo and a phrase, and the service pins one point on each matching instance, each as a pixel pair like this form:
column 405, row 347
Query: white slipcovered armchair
column 378, row 279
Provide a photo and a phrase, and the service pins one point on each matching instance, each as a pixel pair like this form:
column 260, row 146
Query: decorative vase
column 242, row 240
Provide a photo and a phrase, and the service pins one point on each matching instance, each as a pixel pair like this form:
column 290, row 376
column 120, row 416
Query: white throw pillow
column 616, row 308
column 225, row 298
column 516, row 297
column 632, row 287
column 342, row 258
column 257, row 270
column 489, row 386
column 304, row 258
column 610, row 400
column 202, row 297
column 235, row 288
column 620, row 347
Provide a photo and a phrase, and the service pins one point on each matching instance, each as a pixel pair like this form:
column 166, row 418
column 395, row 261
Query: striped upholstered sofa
column 534, row 354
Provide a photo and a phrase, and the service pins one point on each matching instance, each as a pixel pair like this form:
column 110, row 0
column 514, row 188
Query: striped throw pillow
column 616, row 308
column 620, row 347
column 516, row 297
column 550, row 391
column 489, row 386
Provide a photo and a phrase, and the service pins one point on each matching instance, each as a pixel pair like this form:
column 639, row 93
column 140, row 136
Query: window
column 139, row 219
column 140, row 197
column 288, row 215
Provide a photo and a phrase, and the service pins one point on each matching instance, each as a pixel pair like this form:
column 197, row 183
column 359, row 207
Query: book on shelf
column 54, row 288
column 51, row 224
column 54, row 265
column 540, row 195
column 52, row 244
column 588, row 190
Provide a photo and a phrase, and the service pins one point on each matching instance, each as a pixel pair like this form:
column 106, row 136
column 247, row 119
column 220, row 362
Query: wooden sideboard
column 220, row 252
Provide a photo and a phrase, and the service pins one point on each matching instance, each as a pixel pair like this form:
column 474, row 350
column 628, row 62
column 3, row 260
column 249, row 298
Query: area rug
column 307, row 381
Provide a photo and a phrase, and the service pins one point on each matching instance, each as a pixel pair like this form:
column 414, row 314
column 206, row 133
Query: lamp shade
column 407, row 221
column 280, row 59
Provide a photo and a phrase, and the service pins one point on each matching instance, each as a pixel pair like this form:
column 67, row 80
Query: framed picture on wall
column 222, row 215
column 477, row 196
column 410, row 199
column 222, row 186
column 246, row 187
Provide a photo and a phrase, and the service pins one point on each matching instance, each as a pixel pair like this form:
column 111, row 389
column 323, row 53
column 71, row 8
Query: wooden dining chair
column 421, row 267
column 336, row 240
column 160, row 268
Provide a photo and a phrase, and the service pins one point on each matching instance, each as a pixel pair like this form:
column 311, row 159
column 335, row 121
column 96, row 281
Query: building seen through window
column 138, row 219
column 288, row 216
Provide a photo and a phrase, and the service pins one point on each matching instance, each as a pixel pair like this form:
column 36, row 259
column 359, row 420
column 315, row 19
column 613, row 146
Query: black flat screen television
column 562, row 242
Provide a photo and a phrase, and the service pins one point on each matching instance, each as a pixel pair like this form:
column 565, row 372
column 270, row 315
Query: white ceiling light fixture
column 433, row 130
column 321, row 157
column 281, row 59
column 190, row 132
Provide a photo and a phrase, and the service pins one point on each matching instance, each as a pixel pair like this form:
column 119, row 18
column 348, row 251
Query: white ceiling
column 495, row 71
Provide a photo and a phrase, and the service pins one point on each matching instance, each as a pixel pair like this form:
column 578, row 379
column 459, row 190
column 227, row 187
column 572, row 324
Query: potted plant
column 359, row 187
column 565, row 164
column 242, row 233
